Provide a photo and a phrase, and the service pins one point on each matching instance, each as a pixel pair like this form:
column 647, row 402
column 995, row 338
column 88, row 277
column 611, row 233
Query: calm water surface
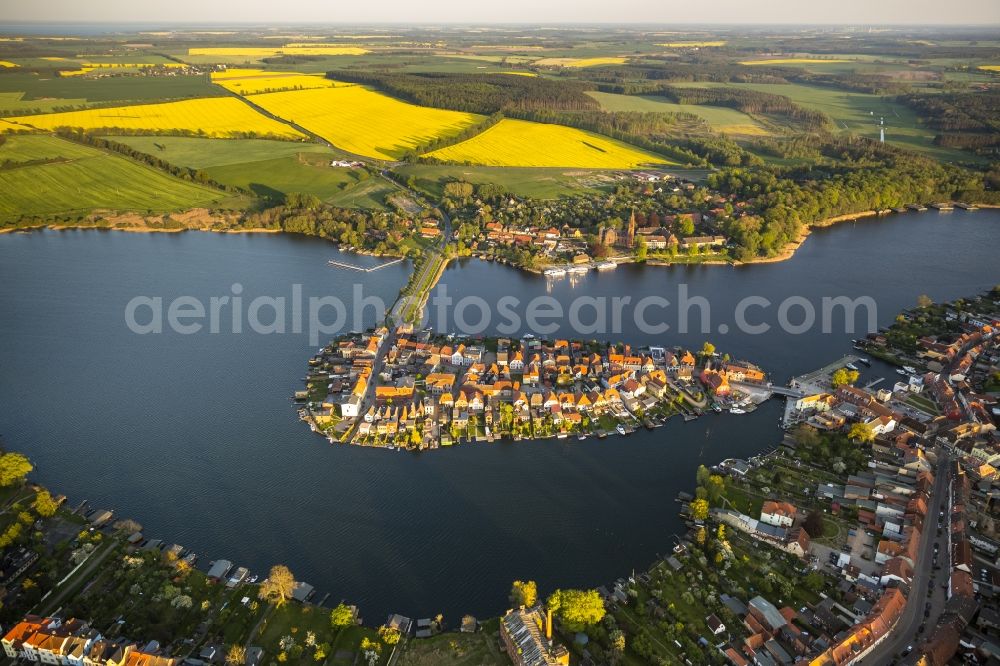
column 196, row 438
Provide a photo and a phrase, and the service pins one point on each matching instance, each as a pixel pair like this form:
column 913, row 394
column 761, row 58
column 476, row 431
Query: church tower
column 630, row 237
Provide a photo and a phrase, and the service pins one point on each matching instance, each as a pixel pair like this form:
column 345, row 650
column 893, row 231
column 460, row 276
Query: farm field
column 41, row 94
column 269, row 168
column 214, row 117
column 264, row 52
column 200, row 153
column 691, row 45
column 362, row 121
column 580, row 62
column 78, row 179
column 721, row 119
column 857, row 113
column 519, row 143
column 252, row 81
column 533, row 182
column 793, row 61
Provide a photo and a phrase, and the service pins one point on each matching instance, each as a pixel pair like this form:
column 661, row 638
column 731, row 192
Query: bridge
column 352, row 267
column 776, row 390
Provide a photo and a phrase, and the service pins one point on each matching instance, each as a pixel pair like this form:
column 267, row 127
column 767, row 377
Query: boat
column 555, row 272
column 717, row 408
column 577, row 270
column 607, row 266
column 851, row 366
column 910, row 369
column 620, row 428
column 581, row 437
column 900, row 371
column 865, row 361
column 736, row 410
column 562, row 435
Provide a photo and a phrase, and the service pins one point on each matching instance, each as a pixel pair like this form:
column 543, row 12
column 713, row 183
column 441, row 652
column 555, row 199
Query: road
column 906, row 632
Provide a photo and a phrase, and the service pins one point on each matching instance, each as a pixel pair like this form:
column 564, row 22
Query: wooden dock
column 362, row 269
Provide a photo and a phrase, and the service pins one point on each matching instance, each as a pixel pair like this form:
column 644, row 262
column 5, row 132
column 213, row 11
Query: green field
column 721, row 119
column 268, row 168
column 541, row 183
column 44, row 93
column 857, row 113
column 74, row 179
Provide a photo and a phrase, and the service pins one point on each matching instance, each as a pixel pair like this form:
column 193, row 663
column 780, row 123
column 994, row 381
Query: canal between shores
column 196, row 438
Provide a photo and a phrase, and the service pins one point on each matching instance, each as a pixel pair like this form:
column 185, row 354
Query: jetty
column 362, row 269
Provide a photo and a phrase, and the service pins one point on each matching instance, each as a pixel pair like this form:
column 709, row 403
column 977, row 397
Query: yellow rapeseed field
column 251, row 81
column 520, row 143
column 223, row 117
column 7, row 63
column 265, row 52
column 990, row 68
column 362, row 121
column 579, row 62
column 686, row 45
column 791, row 61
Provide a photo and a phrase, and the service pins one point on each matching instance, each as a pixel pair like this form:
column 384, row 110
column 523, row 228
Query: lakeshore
column 210, row 440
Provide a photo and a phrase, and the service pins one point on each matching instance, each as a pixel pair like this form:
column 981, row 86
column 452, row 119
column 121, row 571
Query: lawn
column 532, row 182
column 721, row 119
column 520, row 143
column 220, row 117
column 74, row 179
column 363, row 121
column 455, row 649
column 296, row 621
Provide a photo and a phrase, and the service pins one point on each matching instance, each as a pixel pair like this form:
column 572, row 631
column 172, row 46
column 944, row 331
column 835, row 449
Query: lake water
column 195, row 436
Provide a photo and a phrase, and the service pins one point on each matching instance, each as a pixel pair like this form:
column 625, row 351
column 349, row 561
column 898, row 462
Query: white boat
column 900, row 371
column 577, row 270
column 561, row 435
column 607, row 266
column 581, row 437
column 736, row 410
column 620, row 428
column 865, row 361
column 555, row 272
column 851, row 366
column 910, row 369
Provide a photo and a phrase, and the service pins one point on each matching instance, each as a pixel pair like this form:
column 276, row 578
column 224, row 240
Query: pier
column 352, row 267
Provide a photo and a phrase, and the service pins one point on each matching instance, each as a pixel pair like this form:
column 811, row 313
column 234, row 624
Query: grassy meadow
column 721, row 119
column 362, row 121
column 45, row 175
column 519, row 143
column 535, row 182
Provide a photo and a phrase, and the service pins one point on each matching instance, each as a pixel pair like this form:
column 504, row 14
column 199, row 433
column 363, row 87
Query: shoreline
column 787, row 252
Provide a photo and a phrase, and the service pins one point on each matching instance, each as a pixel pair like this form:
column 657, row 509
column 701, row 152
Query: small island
column 419, row 390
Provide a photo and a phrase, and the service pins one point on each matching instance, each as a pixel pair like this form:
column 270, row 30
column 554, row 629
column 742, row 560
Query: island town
column 418, row 390
column 867, row 534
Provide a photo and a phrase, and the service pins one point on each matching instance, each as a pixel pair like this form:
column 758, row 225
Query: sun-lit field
column 580, row 62
column 10, row 127
column 362, row 121
column 264, row 52
column 251, row 81
column 211, row 117
column 990, row 68
column 521, row 143
column 7, row 63
column 88, row 67
column 54, row 176
column 792, row 61
column 690, row 45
